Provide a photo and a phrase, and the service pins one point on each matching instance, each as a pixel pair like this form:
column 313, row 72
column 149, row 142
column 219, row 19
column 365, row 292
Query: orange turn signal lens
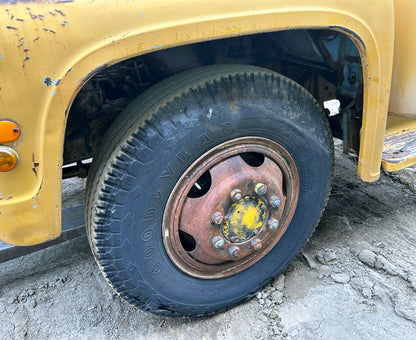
column 8, row 158
column 9, row 131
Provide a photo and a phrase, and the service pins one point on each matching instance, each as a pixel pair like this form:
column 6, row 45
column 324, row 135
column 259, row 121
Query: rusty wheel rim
column 240, row 212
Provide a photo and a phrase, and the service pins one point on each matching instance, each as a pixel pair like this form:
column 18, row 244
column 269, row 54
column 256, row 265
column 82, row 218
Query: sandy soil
column 355, row 279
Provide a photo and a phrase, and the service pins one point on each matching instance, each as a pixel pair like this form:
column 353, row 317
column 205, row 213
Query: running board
column 399, row 144
column 73, row 226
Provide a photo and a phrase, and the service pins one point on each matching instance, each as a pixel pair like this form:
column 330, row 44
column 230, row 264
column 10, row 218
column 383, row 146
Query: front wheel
column 206, row 187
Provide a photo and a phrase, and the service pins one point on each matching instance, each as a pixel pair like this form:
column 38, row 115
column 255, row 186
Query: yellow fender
column 49, row 50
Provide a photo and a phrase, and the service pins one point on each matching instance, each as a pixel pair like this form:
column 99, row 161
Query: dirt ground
column 355, row 279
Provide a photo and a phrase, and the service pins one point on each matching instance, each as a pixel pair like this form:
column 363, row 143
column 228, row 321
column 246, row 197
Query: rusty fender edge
column 73, row 226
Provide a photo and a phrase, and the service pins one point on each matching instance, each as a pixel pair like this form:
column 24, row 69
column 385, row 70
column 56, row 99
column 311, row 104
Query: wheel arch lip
column 53, row 103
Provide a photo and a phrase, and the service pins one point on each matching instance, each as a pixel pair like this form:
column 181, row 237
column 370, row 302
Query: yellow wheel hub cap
column 244, row 219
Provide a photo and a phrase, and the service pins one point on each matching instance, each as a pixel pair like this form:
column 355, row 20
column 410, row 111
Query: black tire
column 141, row 159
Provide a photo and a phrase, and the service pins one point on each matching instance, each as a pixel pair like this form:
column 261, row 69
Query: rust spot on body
column 69, row 70
column 48, row 81
column 37, row 193
column 33, row 16
column 35, row 165
column 48, row 30
column 60, row 12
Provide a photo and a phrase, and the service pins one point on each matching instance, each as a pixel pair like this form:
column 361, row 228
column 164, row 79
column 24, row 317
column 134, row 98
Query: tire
column 157, row 148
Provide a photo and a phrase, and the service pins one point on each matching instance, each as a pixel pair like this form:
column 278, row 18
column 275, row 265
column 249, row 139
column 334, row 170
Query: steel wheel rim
column 213, row 255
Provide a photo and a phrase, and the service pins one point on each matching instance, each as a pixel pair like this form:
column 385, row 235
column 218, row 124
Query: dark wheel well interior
column 325, row 62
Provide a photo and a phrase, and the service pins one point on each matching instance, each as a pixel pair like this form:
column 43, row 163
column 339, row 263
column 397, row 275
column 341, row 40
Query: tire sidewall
column 174, row 150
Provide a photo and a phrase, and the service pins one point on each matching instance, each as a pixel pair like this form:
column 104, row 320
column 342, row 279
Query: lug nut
column 217, row 218
column 275, row 201
column 273, row 224
column 263, row 207
column 235, row 195
column 260, row 189
column 218, row 242
column 256, row 243
column 233, row 251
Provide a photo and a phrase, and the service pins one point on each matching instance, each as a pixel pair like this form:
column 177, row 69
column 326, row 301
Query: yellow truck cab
column 202, row 129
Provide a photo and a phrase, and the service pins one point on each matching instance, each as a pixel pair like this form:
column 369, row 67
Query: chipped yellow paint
column 244, row 217
column 50, row 49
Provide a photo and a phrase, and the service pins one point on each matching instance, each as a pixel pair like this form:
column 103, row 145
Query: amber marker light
column 9, row 131
column 8, row 158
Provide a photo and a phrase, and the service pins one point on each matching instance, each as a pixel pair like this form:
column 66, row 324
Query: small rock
column 273, row 314
column 330, row 256
column 268, row 302
column 309, row 261
column 261, row 302
column 279, row 284
column 277, row 297
column 258, row 295
column 368, row 257
column 326, row 256
column 267, row 311
column 275, row 330
column 263, row 318
column 380, row 262
column 341, row 277
column 367, row 292
column 404, row 307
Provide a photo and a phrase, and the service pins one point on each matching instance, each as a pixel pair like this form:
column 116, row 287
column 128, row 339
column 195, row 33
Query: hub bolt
column 275, row 201
column 235, row 195
column 256, row 243
column 263, row 207
column 217, row 217
column 260, row 189
column 273, row 224
column 234, row 251
column 218, row 242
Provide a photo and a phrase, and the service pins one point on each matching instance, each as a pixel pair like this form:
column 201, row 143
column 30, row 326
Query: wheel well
column 325, row 62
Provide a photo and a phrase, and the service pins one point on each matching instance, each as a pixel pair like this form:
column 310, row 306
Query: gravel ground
column 356, row 278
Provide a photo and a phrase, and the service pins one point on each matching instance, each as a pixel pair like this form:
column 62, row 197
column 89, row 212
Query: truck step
column 399, row 144
column 73, row 226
